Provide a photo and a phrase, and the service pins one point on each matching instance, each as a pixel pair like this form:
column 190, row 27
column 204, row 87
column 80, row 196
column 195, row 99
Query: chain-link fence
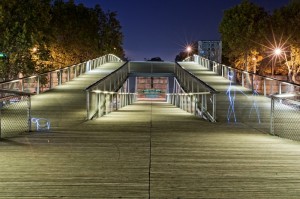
column 14, row 113
column 285, row 116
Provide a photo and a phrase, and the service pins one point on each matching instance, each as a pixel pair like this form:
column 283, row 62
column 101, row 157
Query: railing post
column 252, row 83
column 272, row 117
column 38, row 85
column 214, row 107
column 265, row 89
column 50, row 86
column 88, row 104
column 60, row 77
column 68, row 74
column 280, row 87
column 28, row 113
column 22, row 86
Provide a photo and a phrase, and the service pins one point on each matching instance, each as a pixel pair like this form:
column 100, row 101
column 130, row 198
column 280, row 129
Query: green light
column 3, row 55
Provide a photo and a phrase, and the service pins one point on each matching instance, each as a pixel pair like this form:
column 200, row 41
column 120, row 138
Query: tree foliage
column 286, row 25
column 22, row 28
column 250, row 35
column 40, row 35
column 241, row 30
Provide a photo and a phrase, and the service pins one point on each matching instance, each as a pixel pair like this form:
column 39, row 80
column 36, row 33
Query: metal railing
column 264, row 85
column 195, row 103
column 15, row 95
column 109, row 93
column 282, row 108
column 46, row 81
column 285, row 114
column 189, row 85
column 15, row 113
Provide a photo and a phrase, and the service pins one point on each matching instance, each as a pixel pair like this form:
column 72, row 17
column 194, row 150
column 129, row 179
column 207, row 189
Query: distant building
column 210, row 49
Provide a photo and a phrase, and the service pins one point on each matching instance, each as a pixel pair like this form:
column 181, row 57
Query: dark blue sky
column 164, row 27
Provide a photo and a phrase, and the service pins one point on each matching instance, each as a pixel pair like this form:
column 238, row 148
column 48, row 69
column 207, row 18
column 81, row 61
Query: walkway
column 185, row 157
column 248, row 109
column 145, row 150
column 66, row 105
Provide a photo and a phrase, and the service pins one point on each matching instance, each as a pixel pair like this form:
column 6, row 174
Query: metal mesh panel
column 14, row 115
column 286, row 118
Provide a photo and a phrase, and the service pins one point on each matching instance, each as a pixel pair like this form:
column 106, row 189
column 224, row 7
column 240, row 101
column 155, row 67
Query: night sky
column 162, row 28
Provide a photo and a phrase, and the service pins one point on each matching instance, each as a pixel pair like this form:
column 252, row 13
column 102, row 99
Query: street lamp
column 277, row 51
column 188, row 49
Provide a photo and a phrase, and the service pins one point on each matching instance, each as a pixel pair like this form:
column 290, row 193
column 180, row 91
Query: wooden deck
column 150, row 148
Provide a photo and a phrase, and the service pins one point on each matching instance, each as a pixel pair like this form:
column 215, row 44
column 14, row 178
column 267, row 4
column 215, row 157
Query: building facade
column 210, row 49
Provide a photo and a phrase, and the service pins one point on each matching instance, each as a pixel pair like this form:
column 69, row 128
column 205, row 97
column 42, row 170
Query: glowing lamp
column 277, row 51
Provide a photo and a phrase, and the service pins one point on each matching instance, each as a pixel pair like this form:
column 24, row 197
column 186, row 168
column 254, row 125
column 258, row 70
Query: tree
column 286, row 26
column 40, row 35
column 81, row 33
column 22, row 31
column 110, row 35
column 74, row 30
column 242, row 29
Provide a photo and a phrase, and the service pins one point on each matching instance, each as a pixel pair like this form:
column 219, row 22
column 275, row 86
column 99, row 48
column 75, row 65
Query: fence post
column 38, row 85
column 22, row 87
column 214, row 107
column 60, row 76
column 50, row 86
column 243, row 78
column 272, row 116
column 280, row 84
column 29, row 113
column 88, row 104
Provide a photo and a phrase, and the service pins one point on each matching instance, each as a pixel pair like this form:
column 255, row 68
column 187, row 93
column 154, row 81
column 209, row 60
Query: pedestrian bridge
column 207, row 132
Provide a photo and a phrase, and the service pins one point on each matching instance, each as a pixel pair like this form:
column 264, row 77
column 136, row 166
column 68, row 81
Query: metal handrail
column 107, row 76
column 221, row 69
column 204, row 84
column 46, row 81
column 193, row 101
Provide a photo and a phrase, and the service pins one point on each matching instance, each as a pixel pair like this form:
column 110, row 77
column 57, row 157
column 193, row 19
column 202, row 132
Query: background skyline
column 163, row 28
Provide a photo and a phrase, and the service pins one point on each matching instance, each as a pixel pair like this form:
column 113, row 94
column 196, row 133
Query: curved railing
column 267, row 86
column 15, row 103
column 46, row 81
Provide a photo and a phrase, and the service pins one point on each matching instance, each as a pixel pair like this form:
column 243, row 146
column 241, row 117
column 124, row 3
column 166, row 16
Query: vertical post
column 29, row 113
column 22, row 86
column 60, row 76
column 75, row 72
column 215, row 107
column 68, row 74
column 243, row 79
column 265, row 89
column 195, row 104
column 280, row 84
column 252, row 85
column 272, row 117
column 191, row 103
column 88, row 104
column 50, row 80
column 271, row 90
column 38, row 85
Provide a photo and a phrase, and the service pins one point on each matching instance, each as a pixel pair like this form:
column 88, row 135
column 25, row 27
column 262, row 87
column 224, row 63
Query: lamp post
column 188, row 49
column 277, row 53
